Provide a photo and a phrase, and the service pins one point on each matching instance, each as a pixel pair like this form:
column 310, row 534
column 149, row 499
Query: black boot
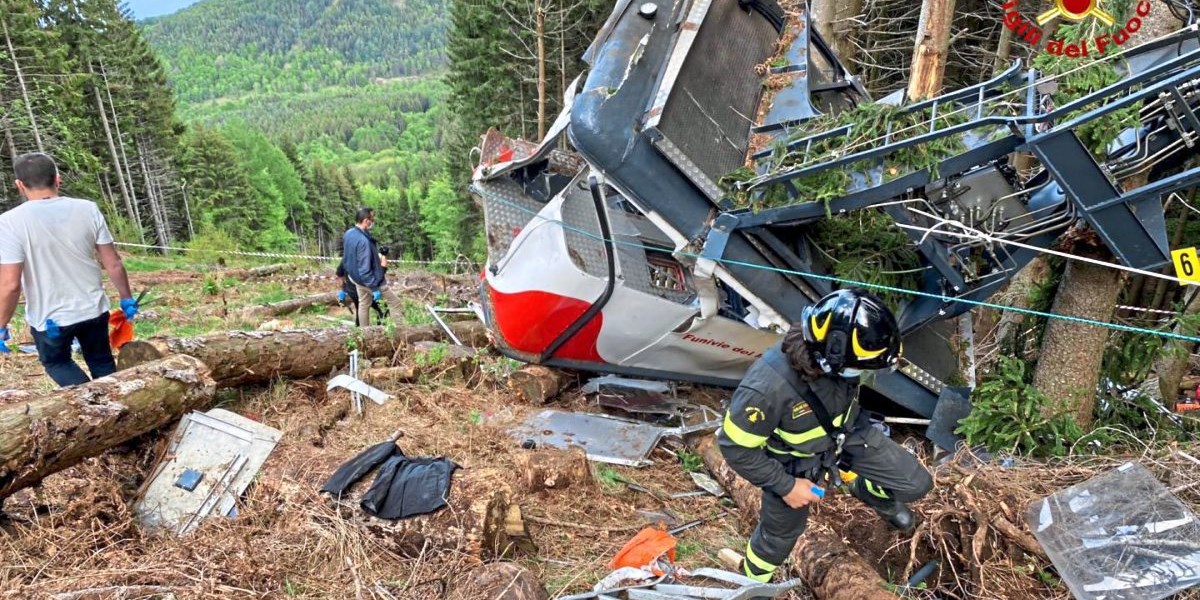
column 896, row 513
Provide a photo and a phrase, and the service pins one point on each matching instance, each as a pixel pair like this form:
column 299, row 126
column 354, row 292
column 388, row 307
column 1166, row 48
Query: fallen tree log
column 385, row 375
column 256, row 272
column 247, row 357
column 43, row 433
column 275, row 309
column 500, row 581
column 537, row 384
column 554, row 469
column 830, row 569
column 476, row 522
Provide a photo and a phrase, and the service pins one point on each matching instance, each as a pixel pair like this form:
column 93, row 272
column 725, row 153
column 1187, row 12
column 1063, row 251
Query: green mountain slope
column 220, row 48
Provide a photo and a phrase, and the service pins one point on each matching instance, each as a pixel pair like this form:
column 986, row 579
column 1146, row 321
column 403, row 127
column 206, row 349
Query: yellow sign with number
column 1187, row 265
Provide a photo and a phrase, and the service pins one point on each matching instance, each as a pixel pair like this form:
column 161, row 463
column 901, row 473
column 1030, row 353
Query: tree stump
column 554, row 469
column 537, row 384
column 500, row 581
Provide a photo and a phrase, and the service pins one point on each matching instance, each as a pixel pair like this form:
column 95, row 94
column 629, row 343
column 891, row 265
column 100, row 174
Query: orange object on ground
column 121, row 329
column 646, row 547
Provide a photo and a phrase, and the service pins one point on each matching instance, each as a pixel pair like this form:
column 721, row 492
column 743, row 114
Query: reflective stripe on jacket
column 768, row 424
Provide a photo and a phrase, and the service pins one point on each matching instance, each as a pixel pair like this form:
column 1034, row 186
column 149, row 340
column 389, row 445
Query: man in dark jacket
column 364, row 267
column 348, row 296
column 794, row 423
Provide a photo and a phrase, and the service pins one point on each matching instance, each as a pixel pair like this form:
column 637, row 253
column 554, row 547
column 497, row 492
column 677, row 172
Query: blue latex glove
column 130, row 306
column 341, row 295
column 52, row 330
column 376, row 295
column 4, row 337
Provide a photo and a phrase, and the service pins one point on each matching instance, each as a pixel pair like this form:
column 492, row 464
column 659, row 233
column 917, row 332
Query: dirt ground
column 75, row 532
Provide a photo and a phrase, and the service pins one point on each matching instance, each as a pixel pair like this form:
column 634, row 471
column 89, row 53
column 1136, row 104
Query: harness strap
column 836, row 433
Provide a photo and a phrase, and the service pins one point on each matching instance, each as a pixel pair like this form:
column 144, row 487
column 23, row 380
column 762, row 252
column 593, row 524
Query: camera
column 386, row 251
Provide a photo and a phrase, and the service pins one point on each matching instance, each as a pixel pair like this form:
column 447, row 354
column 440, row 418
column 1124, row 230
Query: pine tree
column 219, row 189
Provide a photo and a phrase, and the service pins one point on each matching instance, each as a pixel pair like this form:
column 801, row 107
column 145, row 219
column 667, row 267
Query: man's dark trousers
column 55, row 354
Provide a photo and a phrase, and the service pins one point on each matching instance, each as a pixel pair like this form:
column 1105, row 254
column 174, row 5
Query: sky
column 144, row 9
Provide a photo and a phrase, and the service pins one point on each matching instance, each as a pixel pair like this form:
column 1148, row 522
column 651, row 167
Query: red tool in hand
column 121, row 328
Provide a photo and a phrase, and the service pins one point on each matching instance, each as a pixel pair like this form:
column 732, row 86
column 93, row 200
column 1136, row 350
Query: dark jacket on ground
column 769, row 427
column 360, row 256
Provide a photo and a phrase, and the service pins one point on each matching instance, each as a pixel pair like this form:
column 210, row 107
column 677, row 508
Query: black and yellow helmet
column 851, row 329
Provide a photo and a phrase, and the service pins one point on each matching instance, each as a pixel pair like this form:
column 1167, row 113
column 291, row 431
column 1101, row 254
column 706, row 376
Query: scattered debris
column 604, row 438
column 438, row 319
column 635, row 396
column 1121, row 535
column 708, row 484
column 211, row 459
column 356, row 386
column 651, row 549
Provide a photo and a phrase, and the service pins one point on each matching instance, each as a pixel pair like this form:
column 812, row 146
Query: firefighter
column 794, row 425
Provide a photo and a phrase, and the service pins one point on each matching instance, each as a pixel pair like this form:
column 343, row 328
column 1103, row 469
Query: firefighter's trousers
column 887, row 474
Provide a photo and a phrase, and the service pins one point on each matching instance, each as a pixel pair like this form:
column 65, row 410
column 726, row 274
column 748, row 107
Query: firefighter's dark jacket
column 769, row 425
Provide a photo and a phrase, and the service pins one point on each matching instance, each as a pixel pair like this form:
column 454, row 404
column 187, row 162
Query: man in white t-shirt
column 54, row 247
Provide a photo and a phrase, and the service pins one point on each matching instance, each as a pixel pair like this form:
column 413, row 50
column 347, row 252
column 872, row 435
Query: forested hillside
column 222, row 48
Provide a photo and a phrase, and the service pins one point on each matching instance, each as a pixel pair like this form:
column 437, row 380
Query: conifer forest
column 625, row 256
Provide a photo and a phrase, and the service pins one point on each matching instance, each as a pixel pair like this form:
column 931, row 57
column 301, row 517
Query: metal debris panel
column 211, row 459
column 605, row 439
column 1119, row 536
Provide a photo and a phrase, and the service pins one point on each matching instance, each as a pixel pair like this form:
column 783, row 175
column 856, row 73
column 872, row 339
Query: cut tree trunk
column 275, row 309
column 475, row 523
column 537, row 384
column 931, row 50
column 554, row 469
column 43, row 433
column 500, row 581
column 248, row 357
column 830, row 569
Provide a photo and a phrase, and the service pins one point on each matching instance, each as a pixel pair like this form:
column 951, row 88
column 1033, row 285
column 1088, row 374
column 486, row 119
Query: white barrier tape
column 276, row 255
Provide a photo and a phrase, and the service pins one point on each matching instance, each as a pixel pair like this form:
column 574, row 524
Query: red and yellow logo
column 1076, row 10
column 1116, row 35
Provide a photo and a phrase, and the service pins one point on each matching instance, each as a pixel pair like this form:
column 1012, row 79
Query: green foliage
column 1084, row 75
column 433, row 356
column 76, row 57
column 415, row 313
column 271, row 293
column 867, row 246
column 692, row 463
column 228, row 47
column 869, row 125
column 443, row 219
column 211, row 287
column 1007, row 415
column 610, row 481
column 211, row 244
column 686, row 549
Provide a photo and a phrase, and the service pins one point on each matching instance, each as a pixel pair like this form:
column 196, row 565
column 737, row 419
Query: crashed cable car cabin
column 627, row 251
